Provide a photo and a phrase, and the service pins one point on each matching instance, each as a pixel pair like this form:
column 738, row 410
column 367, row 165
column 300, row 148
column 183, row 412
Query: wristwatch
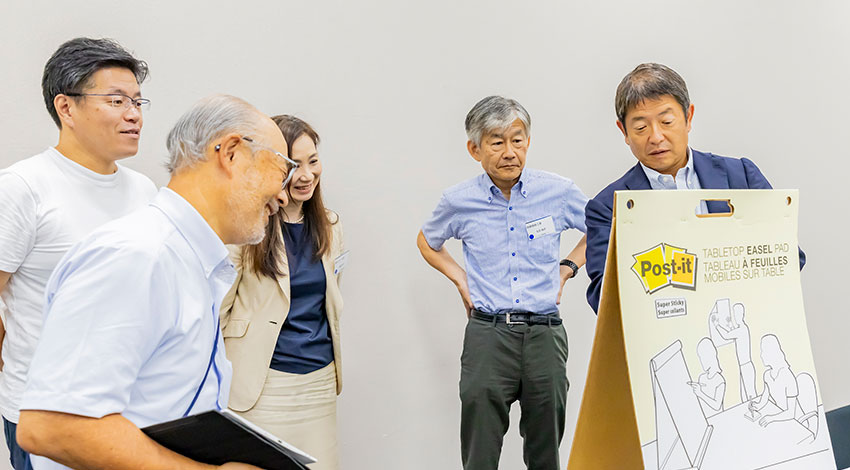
column 571, row 265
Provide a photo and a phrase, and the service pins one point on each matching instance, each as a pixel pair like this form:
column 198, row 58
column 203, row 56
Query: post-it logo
column 665, row 265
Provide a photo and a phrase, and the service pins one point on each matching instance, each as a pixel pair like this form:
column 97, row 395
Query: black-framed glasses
column 119, row 100
column 293, row 163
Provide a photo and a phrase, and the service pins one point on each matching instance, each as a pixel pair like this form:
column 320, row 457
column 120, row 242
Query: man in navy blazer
column 654, row 114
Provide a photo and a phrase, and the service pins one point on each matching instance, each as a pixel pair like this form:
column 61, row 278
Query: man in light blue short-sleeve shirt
column 131, row 334
column 509, row 220
column 509, row 268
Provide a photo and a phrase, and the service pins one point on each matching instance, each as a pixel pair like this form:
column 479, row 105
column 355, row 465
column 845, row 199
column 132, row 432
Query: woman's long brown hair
column 264, row 258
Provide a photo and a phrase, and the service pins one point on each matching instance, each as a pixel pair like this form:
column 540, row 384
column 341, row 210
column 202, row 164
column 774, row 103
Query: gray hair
column 648, row 82
column 70, row 68
column 494, row 113
column 207, row 120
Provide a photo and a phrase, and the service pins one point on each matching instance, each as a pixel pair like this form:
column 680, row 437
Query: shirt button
column 514, row 279
column 517, row 300
column 512, row 229
column 513, row 254
column 510, row 208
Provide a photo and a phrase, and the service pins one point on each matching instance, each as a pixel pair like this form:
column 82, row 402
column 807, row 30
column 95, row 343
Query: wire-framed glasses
column 293, row 165
column 119, row 100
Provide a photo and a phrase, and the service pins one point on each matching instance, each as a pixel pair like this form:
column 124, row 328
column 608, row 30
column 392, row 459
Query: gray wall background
column 388, row 84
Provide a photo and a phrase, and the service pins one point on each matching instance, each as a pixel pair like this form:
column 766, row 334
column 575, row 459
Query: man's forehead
column 510, row 131
column 653, row 107
column 133, row 92
column 271, row 134
column 115, row 80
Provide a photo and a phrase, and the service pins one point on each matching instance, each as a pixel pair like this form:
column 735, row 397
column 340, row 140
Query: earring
column 218, row 147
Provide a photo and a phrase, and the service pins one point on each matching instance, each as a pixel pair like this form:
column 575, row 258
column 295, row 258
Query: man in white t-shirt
column 52, row 200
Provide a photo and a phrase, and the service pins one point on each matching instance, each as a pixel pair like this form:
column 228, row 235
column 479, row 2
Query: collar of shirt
column 209, row 249
column 491, row 190
column 686, row 177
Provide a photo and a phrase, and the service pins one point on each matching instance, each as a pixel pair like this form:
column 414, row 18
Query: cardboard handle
column 750, row 204
column 715, row 214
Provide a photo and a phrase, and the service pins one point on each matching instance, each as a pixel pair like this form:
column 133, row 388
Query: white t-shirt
column 47, row 204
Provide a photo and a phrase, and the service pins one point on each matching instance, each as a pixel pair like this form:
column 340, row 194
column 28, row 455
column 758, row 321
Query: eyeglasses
column 119, row 100
column 294, row 165
column 289, row 161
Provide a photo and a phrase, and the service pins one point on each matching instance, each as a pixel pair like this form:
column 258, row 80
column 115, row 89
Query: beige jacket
column 253, row 312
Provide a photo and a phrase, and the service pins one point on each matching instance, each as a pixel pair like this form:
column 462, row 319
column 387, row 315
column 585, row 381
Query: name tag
column 341, row 261
column 539, row 227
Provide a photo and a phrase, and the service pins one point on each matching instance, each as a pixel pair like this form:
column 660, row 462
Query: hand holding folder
column 223, row 437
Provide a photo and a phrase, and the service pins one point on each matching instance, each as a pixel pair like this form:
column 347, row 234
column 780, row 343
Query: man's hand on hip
column 463, row 290
column 566, row 273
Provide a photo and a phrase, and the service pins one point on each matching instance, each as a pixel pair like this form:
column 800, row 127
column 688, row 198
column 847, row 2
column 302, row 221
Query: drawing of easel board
column 701, row 358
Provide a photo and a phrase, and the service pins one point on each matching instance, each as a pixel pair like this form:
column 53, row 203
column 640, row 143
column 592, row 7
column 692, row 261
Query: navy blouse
column 304, row 344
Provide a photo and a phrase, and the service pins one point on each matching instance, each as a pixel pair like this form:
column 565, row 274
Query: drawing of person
column 739, row 332
column 710, row 386
column 780, row 385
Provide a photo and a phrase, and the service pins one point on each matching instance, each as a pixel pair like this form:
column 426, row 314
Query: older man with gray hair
column 655, row 113
column 131, row 335
column 510, row 221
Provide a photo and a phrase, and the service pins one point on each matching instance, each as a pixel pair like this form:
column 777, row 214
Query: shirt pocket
column 543, row 248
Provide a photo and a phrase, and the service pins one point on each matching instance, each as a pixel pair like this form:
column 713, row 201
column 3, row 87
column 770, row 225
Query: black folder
column 218, row 437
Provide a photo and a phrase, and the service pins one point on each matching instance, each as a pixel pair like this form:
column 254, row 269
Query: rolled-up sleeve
column 101, row 325
column 574, row 205
column 441, row 226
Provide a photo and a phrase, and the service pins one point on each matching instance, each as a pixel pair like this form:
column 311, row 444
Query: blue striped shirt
column 507, row 268
column 686, row 178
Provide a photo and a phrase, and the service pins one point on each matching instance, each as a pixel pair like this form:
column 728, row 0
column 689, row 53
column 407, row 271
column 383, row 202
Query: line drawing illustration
column 710, row 386
column 721, row 314
column 681, row 429
column 738, row 332
column 696, row 430
column 794, row 396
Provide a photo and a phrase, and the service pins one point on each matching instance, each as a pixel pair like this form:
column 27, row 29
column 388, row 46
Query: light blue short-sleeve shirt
column 131, row 318
column 510, row 248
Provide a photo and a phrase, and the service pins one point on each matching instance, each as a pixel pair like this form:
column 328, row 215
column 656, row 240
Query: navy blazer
column 713, row 172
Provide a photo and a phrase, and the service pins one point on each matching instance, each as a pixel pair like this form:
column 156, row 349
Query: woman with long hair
column 710, row 386
column 780, row 385
column 281, row 318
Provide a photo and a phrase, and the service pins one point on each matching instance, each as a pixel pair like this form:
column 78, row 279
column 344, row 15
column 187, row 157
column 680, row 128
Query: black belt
column 518, row 318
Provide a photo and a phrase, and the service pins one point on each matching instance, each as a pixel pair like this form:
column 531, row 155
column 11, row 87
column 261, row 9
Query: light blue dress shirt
column 508, row 269
column 130, row 321
column 686, row 178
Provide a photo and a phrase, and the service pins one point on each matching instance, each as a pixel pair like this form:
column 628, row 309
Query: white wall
column 388, row 84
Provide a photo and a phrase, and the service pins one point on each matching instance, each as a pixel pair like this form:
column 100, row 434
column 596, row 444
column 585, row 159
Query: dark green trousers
column 501, row 364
